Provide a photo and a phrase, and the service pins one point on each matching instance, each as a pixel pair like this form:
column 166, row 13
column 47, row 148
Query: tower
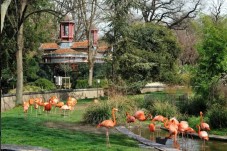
column 66, row 30
column 94, row 36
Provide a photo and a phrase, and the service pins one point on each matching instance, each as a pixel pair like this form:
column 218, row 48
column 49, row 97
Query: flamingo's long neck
column 114, row 118
column 127, row 114
column 198, row 129
column 201, row 118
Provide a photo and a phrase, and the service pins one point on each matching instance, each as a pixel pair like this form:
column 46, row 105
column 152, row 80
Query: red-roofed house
column 71, row 52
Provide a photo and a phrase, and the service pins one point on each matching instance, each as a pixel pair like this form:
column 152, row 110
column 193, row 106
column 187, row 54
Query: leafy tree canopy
column 212, row 50
column 147, row 53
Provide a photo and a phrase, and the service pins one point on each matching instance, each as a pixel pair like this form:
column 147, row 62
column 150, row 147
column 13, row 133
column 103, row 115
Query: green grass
column 33, row 131
column 221, row 132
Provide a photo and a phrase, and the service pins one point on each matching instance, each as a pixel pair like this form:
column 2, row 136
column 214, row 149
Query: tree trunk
column 91, row 60
column 90, row 79
column 4, row 8
column 19, row 58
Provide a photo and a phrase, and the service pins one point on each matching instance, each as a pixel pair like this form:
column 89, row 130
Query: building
column 69, row 52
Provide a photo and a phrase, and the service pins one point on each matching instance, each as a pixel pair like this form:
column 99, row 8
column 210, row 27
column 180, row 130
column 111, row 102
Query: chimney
column 94, row 35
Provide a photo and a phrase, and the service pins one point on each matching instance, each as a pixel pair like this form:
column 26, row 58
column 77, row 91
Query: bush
column 96, row 113
column 157, row 105
column 82, row 84
column 164, row 108
column 217, row 116
column 193, row 121
column 27, row 88
column 192, row 106
column 44, row 84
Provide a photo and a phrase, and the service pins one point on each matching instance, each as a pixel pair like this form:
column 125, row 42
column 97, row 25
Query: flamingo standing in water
column 173, row 129
column 140, row 116
column 203, row 135
column 182, row 127
column 190, row 131
column 158, row 118
column 130, row 119
column 203, row 125
column 109, row 124
column 151, row 127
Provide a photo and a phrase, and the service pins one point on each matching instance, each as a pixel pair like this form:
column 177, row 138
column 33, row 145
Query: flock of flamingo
column 53, row 101
column 172, row 125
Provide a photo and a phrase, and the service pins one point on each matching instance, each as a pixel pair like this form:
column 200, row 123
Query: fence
column 8, row 101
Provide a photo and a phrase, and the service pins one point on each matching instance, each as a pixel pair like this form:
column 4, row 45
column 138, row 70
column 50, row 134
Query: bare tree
column 187, row 39
column 216, row 9
column 88, row 14
column 171, row 13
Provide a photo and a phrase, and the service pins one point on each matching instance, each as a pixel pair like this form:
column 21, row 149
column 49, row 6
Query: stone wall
column 8, row 100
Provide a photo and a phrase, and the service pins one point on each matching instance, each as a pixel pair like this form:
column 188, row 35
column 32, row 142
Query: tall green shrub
column 212, row 57
column 45, row 84
column 218, row 116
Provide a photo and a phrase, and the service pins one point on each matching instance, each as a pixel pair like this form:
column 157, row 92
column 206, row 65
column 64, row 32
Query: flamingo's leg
column 107, row 138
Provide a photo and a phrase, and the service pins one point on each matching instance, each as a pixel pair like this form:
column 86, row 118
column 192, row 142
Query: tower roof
column 67, row 19
column 93, row 27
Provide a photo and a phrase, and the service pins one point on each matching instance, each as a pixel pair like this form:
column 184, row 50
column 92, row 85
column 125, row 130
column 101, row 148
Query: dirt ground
column 81, row 127
column 78, row 127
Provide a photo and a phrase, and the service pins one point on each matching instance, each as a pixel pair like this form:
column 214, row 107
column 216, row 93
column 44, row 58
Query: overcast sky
column 209, row 3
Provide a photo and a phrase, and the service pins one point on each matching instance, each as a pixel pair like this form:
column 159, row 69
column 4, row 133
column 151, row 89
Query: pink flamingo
column 182, row 126
column 25, row 107
column 130, row 119
column 65, row 107
column 109, row 124
column 203, row 125
column 140, row 116
column 190, row 131
column 151, row 127
column 203, row 135
column 171, row 126
column 158, row 118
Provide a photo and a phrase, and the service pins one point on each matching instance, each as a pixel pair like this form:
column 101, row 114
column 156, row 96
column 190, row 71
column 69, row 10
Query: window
column 66, row 30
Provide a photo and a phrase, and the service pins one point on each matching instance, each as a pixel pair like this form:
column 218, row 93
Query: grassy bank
column 58, row 133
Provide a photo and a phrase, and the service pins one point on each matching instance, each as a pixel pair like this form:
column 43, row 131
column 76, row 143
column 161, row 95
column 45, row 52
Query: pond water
column 185, row 144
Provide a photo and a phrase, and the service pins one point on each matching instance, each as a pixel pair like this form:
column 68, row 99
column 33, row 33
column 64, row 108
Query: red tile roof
column 49, row 46
column 103, row 48
column 65, row 51
column 80, row 44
